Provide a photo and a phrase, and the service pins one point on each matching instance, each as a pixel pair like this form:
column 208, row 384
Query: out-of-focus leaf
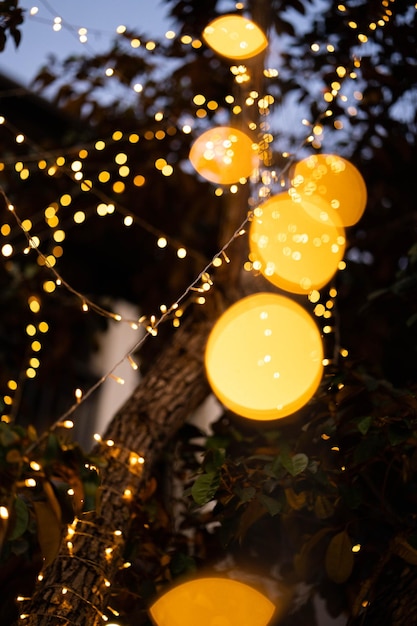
column 20, row 519
column 272, row 506
column 13, row 456
column 302, row 558
column 49, row 530
column 7, row 435
column 295, row 500
column 52, row 499
column 339, row 558
column 182, row 564
column 254, row 511
column 205, row 487
column 412, row 320
column 217, row 441
column 17, row 36
column 52, row 448
column 367, row 448
column 323, row 508
column 214, row 459
column 69, row 505
column 20, row 546
column 397, row 435
column 31, row 432
column 245, row 494
column 295, row 464
column 352, row 496
column 2, row 39
column 364, row 424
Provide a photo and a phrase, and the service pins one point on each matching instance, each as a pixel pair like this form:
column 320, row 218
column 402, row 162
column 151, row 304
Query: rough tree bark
column 76, row 587
column 391, row 599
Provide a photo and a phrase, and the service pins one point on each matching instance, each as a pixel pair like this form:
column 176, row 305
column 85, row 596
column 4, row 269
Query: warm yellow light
column 212, row 602
column 334, row 180
column 224, row 155
column 235, row 37
column 4, row 512
column 264, row 357
column 296, row 245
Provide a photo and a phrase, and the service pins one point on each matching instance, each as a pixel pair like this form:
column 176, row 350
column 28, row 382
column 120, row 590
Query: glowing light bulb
column 235, row 37
column 224, row 155
column 297, row 246
column 333, row 179
column 212, row 602
column 264, row 357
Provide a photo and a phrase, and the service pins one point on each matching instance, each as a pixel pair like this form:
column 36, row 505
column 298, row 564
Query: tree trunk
column 76, row 586
column 392, row 597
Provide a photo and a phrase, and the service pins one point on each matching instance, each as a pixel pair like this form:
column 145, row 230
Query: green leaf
column 205, row 487
column 217, row 441
column 182, row 564
column 245, row 494
column 412, row 320
column 20, row 519
column 367, row 448
column 53, row 449
column 397, row 435
column 90, row 495
column 272, row 506
column 295, row 464
column 364, row 424
column 214, row 460
column 8, row 436
column 275, row 468
column 339, row 558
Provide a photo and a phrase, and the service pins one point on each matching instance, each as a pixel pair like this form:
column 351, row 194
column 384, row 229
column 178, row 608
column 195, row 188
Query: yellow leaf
column 295, row 500
column 339, row 558
column 13, row 456
column 49, row 530
column 31, row 432
column 303, row 558
column 323, row 507
column 165, row 559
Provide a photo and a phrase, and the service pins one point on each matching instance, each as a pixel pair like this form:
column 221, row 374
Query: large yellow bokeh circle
column 334, row 180
column 212, row 602
column 224, row 155
column 235, row 37
column 297, row 246
column 264, row 357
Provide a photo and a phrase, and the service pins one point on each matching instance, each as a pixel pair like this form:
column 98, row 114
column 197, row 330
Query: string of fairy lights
column 71, row 162
column 198, row 289
column 112, row 543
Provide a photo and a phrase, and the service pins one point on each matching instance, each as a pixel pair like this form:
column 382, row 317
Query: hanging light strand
column 87, row 186
column 157, row 322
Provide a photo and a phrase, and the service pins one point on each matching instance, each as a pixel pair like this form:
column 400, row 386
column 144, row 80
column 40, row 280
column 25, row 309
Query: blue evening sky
column 100, row 17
